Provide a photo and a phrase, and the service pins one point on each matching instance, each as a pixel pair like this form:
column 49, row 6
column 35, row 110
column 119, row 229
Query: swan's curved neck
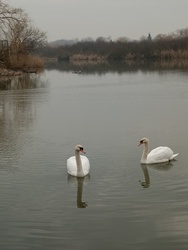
column 78, row 163
column 145, row 153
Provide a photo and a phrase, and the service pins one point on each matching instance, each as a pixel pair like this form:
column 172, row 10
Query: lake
column 107, row 109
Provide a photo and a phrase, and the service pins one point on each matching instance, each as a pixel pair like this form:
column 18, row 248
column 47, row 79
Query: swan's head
column 143, row 140
column 79, row 148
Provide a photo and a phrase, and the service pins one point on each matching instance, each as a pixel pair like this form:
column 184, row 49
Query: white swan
column 78, row 165
column 157, row 155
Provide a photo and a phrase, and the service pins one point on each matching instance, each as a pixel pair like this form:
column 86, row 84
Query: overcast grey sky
column 69, row 19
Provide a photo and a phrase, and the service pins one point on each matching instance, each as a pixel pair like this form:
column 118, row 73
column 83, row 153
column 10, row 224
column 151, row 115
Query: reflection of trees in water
column 27, row 81
column 17, row 111
column 117, row 67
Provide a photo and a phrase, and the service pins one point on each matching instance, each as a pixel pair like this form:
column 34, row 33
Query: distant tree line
column 170, row 46
column 22, row 37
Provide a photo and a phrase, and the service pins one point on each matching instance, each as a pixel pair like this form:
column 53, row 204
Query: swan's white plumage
column 157, row 155
column 78, row 165
column 160, row 154
column 72, row 167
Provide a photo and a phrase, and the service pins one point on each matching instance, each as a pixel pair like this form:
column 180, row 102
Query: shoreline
column 12, row 73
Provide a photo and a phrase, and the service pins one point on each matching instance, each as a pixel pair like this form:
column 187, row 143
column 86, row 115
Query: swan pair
column 79, row 165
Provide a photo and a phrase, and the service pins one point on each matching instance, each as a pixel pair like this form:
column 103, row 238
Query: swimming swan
column 78, row 165
column 157, row 155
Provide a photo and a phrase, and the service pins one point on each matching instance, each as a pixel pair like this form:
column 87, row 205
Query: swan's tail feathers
column 173, row 156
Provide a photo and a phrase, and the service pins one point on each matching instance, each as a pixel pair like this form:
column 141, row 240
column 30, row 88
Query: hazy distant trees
column 162, row 46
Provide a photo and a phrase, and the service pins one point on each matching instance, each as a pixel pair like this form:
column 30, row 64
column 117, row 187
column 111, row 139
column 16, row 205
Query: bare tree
column 8, row 15
column 17, row 28
column 23, row 37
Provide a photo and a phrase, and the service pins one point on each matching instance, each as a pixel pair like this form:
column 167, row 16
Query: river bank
column 10, row 73
column 13, row 73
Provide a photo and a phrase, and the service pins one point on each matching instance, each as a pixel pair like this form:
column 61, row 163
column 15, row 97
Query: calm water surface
column 121, row 205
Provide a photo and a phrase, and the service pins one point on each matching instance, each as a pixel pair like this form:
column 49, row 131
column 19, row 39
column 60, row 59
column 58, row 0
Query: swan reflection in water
column 158, row 166
column 79, row 181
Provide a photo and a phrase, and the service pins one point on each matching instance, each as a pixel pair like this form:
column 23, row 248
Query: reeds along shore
column 172, row 54
column 20, row 64
column 163, row 54
column 26, row 61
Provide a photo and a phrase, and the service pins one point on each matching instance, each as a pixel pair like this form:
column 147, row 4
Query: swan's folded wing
column 71, row 166
column 160, row 154
column 85, row 163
